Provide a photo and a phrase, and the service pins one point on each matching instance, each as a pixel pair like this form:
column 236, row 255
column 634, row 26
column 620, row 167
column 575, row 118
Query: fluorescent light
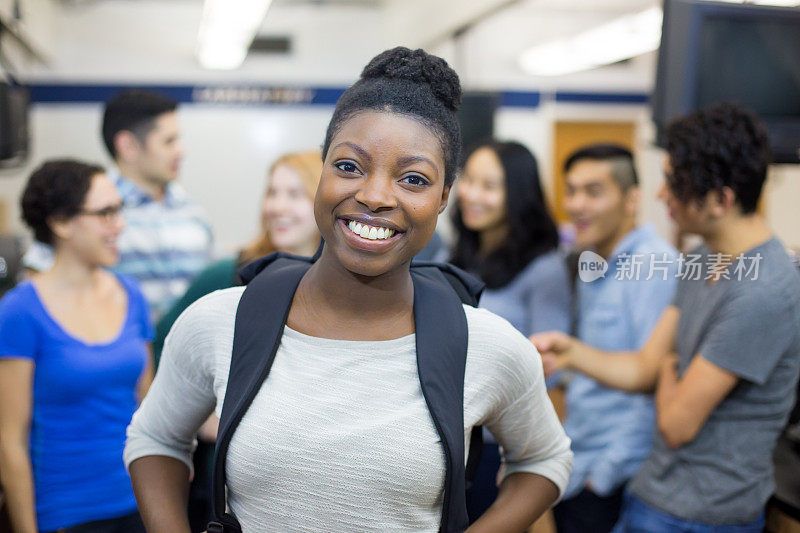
column 226, row 31
column 619, row 39
column 623, row 38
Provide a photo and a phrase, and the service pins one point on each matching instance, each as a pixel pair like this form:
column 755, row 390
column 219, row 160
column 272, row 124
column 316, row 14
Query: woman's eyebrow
column 356, row 148
column 409, row 159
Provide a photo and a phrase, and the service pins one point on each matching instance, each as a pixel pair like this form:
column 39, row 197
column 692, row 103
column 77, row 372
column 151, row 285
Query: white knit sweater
column 339, row 437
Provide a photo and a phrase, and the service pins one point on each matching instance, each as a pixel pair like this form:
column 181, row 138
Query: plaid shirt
column 164, row 245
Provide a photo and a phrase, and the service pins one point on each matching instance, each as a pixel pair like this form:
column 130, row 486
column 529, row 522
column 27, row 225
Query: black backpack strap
column 260, row 319
column 469, row 290
column 441, row 338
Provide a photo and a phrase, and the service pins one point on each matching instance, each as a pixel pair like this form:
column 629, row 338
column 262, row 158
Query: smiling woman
column 351, row 442
column 73, row 350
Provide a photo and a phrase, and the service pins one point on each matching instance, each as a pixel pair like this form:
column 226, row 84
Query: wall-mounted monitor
column 713, row 52
column 14, row 139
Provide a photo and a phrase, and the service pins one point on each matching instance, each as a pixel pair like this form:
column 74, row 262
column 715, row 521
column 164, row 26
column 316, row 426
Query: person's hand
column 208, row 431
column 556, row 349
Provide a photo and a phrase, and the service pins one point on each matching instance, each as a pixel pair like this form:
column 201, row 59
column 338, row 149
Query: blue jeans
column 638, row 517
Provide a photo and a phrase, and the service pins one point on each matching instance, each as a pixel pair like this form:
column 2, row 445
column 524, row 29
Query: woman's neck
column 72, row 273
column 332, row 302
column 305, row 249
column 491, row 239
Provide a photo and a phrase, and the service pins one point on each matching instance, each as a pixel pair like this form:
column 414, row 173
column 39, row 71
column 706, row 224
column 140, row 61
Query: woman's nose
column 376, row 193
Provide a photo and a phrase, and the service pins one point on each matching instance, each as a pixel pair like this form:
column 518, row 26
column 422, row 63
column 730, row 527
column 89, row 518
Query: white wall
column 229, row 147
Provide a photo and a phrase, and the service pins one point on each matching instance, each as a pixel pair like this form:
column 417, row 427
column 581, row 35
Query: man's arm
column 627, row 371
column 684, row 404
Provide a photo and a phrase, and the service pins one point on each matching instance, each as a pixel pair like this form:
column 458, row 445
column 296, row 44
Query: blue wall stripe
column 274, row 95
column 602, row 98
column 520, row 99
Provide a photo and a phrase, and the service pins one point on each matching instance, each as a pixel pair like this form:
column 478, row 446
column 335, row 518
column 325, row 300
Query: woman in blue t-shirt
column 74, row 361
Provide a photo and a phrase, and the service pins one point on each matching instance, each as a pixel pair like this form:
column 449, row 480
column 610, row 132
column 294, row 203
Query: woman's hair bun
column 420, row 67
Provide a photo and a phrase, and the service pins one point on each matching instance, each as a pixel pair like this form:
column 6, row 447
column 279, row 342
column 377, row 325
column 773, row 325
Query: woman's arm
column 536, row 452
column 16, row 398
column 523, row 498
column 146, row 379
column 161, row 434
column 161, row 486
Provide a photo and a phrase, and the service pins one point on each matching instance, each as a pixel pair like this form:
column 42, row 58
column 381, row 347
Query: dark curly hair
column 55, row 190
column 531, row 231
column 134, row 110
column 725, row 145
column 413, row 83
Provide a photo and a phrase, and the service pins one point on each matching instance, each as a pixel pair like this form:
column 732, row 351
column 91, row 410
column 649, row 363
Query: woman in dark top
column 507, row 237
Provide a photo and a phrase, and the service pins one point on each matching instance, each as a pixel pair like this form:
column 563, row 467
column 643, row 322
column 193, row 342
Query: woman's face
column 481, row 191
column 381, row 191
column 92, row 233
column 287, row 213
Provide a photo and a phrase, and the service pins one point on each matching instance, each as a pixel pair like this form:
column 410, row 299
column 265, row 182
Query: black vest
column 441, row 341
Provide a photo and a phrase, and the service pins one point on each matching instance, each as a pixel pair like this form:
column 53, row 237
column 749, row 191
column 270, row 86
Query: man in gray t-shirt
column 724, row 358
column 751, row 328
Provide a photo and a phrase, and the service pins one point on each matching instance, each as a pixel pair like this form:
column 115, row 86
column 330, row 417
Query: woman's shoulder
column 21, row 298
column 203, row 333
column 492, row 335
column 545, row 269
column 498, row 354
column 216, row 306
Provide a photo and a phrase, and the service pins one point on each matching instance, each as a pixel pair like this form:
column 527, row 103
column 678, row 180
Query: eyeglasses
column 106, row 214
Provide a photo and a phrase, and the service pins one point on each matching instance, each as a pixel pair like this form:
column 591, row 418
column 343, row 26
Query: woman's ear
column 61, row 227
column 445, row 198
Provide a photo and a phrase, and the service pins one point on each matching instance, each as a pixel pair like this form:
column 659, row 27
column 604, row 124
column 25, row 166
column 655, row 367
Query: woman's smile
column 381, row 192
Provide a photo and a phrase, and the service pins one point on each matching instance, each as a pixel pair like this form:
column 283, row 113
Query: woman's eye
column 414, row 179
column 346, row 166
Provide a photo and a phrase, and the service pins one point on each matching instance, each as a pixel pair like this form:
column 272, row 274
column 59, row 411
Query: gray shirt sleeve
column 736, row 339
column 182, row 394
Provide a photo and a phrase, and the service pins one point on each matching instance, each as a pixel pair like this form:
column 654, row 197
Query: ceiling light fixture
column 622, row 38
column 226, row 31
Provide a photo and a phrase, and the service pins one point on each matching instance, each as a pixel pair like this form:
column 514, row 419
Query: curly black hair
column 413, row 83
column 725, row 145
column 532, row 231
column 134, row 110
column 55, row 190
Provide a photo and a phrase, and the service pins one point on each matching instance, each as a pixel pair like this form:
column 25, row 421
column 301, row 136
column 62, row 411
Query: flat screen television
column 713, row 52
column 14, row 103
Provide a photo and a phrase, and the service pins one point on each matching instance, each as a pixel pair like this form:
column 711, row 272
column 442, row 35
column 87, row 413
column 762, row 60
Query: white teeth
column 369, row 232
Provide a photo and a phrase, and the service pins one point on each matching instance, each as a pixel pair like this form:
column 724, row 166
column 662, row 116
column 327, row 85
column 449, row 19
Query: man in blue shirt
column 611, row 431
